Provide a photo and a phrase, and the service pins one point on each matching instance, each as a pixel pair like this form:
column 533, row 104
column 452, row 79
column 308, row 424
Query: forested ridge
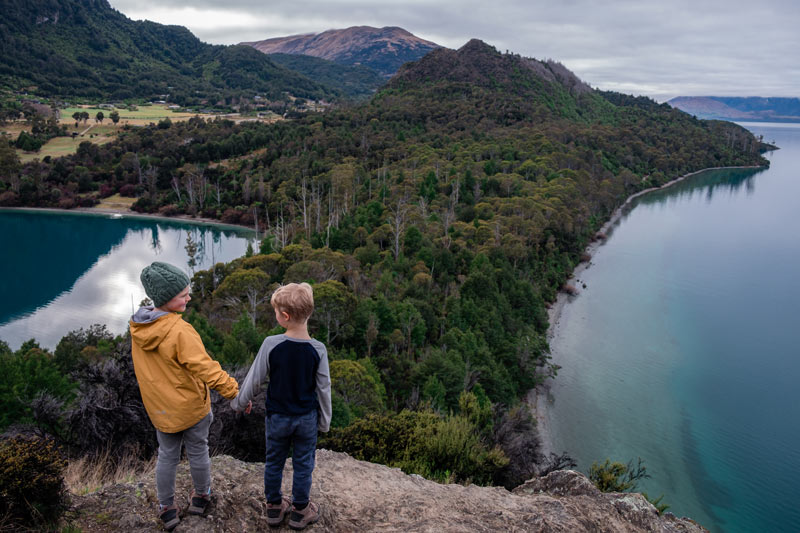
column 435, row 221
column 84, row 48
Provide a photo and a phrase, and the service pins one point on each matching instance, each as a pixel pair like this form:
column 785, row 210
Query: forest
column 436, row 222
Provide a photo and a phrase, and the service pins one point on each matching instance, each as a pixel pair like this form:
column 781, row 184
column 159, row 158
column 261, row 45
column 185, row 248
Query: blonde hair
column 296, row 299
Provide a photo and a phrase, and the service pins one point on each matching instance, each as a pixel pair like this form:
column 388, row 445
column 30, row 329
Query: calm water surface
column 64, row 271
column 683, row 349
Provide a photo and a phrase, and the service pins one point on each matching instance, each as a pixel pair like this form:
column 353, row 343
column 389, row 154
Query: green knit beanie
column 162, row 282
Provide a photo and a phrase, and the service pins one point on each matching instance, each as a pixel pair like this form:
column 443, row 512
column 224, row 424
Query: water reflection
column 66, row 271
column 709, row 183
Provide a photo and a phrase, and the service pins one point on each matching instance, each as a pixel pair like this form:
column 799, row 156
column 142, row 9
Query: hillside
column 354, row 81
column 87, row 49
column 361, row 496
column 381, row 49
column 752, row 108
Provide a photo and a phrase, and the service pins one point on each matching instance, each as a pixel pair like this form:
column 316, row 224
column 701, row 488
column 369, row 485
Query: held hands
column 246, row 409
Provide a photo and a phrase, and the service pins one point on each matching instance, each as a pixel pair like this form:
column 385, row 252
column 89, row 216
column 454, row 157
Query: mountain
column 381, row 49
column 355, row 81
column 361, row 496
column 754, row 108
column 84, row 48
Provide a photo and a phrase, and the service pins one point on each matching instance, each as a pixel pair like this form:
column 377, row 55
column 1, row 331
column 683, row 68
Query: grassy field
column 61, row 146
column 141, row 117
column 101, row 133
column 115, row 202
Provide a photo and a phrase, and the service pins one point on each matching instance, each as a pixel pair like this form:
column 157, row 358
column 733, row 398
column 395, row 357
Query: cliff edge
column 360, row 496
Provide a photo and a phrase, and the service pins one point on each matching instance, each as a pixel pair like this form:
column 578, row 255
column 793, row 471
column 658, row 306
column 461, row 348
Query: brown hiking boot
column 301, row 519
column 276, row 512
column 169, row 517
column 199, row 504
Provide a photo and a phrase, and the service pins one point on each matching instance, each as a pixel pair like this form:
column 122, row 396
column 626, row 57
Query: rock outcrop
column 360, row 496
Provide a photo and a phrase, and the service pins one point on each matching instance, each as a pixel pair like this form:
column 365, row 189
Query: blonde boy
column 298, row 402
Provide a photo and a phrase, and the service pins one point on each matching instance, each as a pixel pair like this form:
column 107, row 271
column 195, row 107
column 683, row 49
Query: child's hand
column 249, row 407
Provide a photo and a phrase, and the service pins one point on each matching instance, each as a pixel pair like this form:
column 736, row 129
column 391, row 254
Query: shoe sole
column 172, row 524
column 199, row 511
column 298, row 527
column 276, row 522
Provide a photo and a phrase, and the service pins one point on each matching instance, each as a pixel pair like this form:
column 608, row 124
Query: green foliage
column 433, row 392
column 357, row 389
column 32, row 488
column 27, row 373
column 656, row 502
column 446, row 449
column 78, row 348
column 617, row 477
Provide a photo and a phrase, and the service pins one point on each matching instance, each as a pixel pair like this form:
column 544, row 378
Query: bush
column 31, row 481
column 128, row 190
column 617, row 477
column 108, row 411
column 444, row 449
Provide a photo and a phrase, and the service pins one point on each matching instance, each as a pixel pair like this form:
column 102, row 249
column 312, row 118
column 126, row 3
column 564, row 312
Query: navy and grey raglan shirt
column 298, row 377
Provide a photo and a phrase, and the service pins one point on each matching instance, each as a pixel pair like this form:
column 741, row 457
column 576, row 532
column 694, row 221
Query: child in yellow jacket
column 174, row 374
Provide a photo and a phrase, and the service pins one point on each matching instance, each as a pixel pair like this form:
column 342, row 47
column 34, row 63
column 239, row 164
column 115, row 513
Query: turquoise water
column 682, row 348
column 64, row 271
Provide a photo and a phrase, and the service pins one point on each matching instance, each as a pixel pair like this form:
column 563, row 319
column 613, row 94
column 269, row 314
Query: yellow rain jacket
column 174, row 370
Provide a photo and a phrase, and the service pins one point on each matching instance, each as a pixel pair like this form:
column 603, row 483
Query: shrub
column 444, row 449
column 617, row 477
column 128, row 190
column 108, row 411
column 31, row 481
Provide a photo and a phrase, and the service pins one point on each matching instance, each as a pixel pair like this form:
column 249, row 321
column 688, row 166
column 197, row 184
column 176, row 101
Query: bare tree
column 397, row 221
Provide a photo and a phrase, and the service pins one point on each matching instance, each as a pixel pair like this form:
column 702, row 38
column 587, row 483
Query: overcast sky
column 659, row 49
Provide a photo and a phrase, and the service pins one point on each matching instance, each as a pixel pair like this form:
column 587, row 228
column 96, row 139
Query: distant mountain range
column 752, row 108
column 381, row 49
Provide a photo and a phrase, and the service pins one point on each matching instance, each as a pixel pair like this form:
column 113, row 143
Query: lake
column 681, row 349
column 63, row 271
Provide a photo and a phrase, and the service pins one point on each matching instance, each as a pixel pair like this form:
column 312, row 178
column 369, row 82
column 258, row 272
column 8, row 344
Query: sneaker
column 169, row 516
column 199, row 503
column 301, row 519
column 276, row 512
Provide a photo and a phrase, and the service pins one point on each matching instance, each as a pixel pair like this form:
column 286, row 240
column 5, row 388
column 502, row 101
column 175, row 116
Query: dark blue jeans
column 299, row 432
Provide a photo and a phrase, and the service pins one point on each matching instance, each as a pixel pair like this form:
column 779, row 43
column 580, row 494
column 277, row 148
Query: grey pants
column 195, row 439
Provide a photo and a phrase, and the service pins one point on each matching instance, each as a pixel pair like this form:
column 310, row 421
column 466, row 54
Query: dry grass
column 89, row 474
column 116, row 202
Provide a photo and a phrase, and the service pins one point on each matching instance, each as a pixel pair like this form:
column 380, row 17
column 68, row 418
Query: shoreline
column 540, row 399
column 127, row 213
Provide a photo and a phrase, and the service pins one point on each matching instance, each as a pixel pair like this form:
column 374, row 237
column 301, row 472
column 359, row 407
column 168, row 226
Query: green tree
column 99, row 117
column 9, row 165
column 244, row 289
column 114, row 116
column 355, row 386
column 333, row 305
column 27, row 373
